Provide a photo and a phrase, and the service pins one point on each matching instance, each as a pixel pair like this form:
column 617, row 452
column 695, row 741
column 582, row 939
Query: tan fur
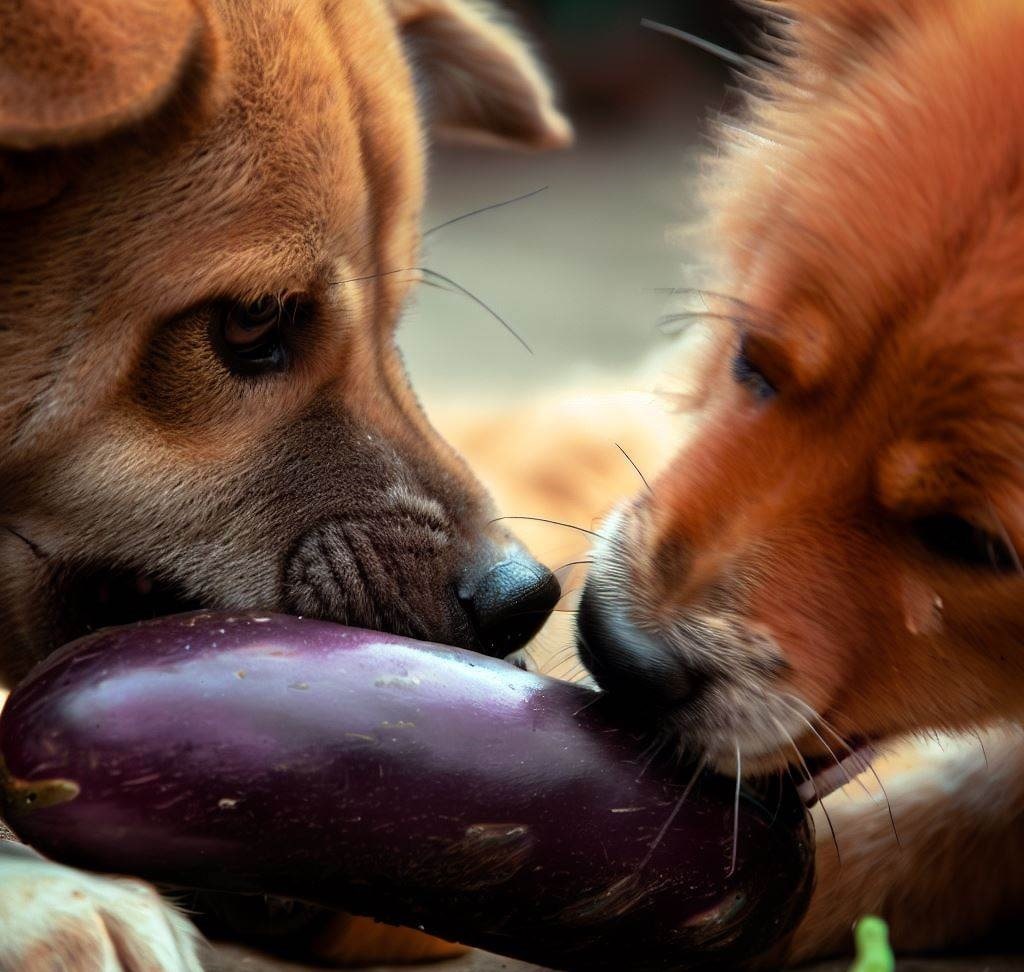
column 954, row 877
column 164, row 163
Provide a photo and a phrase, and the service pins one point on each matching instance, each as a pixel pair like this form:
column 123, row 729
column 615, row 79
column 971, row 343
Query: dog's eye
column 251, row 338
column 958, row 540
column 746, row 373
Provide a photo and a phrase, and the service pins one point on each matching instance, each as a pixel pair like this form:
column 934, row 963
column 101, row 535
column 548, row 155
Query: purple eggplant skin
column 420, row 784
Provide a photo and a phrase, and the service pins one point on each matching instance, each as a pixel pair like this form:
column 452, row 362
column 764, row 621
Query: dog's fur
column 834, row 553
column 164, row 163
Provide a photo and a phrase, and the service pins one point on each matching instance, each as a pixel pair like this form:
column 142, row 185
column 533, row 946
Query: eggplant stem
column 22, row 796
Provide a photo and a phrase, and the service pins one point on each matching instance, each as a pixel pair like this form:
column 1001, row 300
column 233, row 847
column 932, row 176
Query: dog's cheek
column 123, row 497
column 824, row 600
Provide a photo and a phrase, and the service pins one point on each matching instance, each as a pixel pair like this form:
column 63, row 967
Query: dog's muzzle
column 415, row 579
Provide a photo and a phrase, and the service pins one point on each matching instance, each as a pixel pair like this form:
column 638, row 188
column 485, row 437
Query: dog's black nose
column 638, row 667
column 509, row 603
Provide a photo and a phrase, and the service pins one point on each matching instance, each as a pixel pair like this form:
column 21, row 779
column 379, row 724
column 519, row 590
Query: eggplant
column 415, row 783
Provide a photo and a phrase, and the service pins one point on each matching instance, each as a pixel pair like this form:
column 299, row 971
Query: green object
column 873, row 952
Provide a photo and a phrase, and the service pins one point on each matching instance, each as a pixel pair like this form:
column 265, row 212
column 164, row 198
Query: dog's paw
column 55, row 918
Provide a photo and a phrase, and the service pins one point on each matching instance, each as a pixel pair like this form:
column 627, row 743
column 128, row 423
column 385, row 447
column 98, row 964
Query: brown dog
column 209, row 220
column 833, row 558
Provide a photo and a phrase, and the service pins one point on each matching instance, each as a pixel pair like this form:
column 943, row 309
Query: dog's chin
column 85, row 599
column 817, row 775
column 816, row 770
column 830, row 773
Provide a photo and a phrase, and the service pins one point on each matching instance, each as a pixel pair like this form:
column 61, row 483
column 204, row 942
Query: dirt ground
column 236, row 961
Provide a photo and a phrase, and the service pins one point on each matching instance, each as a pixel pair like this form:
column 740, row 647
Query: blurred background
column 579, row 270
column 576, row 268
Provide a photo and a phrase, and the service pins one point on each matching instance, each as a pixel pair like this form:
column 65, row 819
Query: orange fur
column 819, row 553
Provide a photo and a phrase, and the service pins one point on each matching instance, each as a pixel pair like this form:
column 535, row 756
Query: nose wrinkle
column 423, row 510
column 389, row 573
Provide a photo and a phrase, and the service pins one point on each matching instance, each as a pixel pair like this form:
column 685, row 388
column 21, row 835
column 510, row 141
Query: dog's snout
column 629, row 663
column 509, row 602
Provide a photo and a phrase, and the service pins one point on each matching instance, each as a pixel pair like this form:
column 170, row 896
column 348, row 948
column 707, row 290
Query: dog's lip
column 92, row 596
column 831, row 772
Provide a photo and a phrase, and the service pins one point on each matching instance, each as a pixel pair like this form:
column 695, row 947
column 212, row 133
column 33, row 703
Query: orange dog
column 832, row 559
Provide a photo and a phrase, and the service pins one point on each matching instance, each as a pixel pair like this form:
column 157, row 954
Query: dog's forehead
column 894, row 205
column 312, row 161
column 309, row 172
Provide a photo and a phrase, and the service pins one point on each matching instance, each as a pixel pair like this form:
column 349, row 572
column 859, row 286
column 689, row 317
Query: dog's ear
column 72, row 71
column 483, row 85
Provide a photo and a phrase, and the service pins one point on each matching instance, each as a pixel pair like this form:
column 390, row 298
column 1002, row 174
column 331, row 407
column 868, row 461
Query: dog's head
column 835, row 551
column 209, row 221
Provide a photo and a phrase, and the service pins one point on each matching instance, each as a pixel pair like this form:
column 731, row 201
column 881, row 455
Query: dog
column 832, row 559
column 209, row 224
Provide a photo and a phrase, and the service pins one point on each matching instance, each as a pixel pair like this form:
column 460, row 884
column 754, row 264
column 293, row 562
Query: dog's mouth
column 93, row 597
column 825, row 774
column 826, row 765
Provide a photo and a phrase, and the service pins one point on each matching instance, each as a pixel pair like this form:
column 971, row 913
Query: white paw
column 56, row 919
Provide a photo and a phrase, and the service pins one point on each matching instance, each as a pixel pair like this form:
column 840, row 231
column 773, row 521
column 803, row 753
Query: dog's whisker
column 573, row 563
column 598, row 696
column 981, row 745
column 704, row 293
column 567, row 572
column 562, row 657
column 888, row 805
column 483, row 209
column 541, row 519
column 799, row 755
column 828, row 821
column 575, row 672
column 437, row 286
column 680, row 322
column 832, row 827
column 566, row 603
column 807, row 722
column 672, row 816
column 629, row 459
column 566, row 652
column 480, row 303
column 455, row 286
column 709, row 47
column 339, row 281
column 868, row 765
column 778, row 800
column 1007, row 542
column 812, row 713
column 736, row 809
column 810, row 779
column 650, row 754
column 566, row 657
